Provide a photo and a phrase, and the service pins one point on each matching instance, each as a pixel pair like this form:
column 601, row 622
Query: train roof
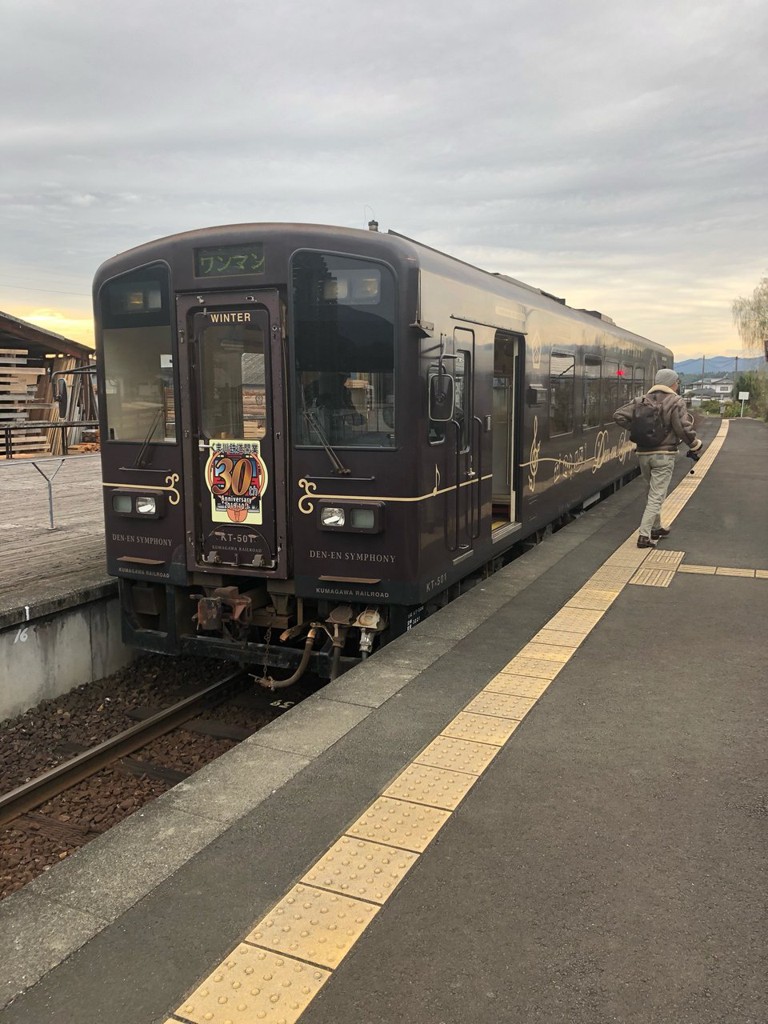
column 391, row 244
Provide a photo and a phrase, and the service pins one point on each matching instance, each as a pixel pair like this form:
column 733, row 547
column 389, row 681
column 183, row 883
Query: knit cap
column 667, row 377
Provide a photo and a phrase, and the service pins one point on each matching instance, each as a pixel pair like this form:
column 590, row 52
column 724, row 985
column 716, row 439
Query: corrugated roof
column 15, row 333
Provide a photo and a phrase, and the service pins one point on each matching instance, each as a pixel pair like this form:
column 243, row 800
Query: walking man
column 657, row 422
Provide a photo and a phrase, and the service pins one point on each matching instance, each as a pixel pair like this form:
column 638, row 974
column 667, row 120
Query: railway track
column 50, row 784
column 101, row 781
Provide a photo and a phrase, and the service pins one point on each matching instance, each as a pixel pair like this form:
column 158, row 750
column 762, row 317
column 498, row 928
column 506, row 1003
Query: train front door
column 234, row 432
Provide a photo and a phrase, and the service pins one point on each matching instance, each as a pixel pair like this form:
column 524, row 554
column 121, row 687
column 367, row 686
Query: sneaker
column 645, row 542
column 659, row 534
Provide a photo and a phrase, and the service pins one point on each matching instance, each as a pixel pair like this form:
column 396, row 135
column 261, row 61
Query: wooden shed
column 32, row 360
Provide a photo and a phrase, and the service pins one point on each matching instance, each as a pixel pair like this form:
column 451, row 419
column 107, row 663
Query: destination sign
column 230, row 260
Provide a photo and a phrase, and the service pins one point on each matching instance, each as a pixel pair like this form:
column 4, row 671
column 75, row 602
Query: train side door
column 465, row 525
column 506, row 361
column 235, row 499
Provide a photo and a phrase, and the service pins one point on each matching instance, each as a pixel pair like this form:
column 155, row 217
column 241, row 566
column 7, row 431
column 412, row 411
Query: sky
column 609, row 152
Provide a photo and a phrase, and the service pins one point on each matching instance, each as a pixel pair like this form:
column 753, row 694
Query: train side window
column 639, row 386
column 562, row 381
column 435, row 428
column 462, row 411
column 610, row 391
column 626, row 392
column 593, row 370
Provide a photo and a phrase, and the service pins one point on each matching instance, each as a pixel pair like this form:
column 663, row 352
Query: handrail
column 474, row 534
column 8, row 430
column 457, row 496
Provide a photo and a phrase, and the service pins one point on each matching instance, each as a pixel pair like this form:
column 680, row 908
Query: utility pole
column 703, row 361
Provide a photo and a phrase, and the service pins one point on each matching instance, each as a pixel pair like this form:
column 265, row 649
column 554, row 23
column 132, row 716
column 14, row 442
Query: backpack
column 647, row 429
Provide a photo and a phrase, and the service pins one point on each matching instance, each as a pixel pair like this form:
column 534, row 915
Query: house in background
column 708, row 389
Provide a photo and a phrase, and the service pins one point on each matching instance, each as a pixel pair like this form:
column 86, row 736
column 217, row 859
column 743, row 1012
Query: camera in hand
column 693, row 456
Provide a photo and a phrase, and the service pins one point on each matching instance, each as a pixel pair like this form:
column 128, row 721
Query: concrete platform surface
column 584, row 843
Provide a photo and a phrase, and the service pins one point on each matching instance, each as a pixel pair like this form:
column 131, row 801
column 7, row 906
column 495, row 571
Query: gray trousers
column 657, row 473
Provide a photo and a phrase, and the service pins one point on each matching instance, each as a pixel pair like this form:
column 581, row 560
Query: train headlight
column 146, row 506
column 122, row 503
column 362, row 518
column 332, row 517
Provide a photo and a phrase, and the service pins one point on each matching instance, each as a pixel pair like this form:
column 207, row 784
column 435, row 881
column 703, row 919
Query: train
column 310, row 435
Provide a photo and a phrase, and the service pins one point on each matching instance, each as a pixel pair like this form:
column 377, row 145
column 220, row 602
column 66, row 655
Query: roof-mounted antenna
column 373, row 225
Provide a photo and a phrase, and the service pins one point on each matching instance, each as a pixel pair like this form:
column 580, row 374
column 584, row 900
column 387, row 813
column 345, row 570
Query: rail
column 37, row 791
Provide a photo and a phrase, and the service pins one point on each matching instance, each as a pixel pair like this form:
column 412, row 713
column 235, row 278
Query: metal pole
column 742, row 407
column 49, row 480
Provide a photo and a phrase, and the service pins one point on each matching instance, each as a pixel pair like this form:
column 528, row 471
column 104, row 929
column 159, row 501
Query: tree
column 756, row 385
column 751, row 318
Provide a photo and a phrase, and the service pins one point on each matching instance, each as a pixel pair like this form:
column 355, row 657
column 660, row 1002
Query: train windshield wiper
column 314, row 423
column 140, row 458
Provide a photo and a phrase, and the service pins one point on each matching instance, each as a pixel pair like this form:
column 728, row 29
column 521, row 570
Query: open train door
column 234, row 434
column 507, row 375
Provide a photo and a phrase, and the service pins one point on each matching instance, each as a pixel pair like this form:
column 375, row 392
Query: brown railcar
column 312, row 434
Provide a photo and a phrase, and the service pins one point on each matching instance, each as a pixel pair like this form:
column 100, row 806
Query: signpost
column 744, row 397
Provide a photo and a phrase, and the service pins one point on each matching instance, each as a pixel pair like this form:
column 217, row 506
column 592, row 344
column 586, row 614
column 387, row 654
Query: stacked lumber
column 18, row 398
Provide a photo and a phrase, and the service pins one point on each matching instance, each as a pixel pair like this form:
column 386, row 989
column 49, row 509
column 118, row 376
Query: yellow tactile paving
column 626, row 557
column 611, row 578
column 397, row 823
column 545, row 652
column 538, row 668
column 314, row 925
column 662, row 559
column 562, row 637
column 653, row 577
column 517, row 685
column 481, row 728
column 595, row 600
column 724, row 571
column 702, row 570
column 597, row 588
column 458, row 755
column 575, row 618
column 500, row 705
column 437, row 787
column 254, row 985
column 361, row 869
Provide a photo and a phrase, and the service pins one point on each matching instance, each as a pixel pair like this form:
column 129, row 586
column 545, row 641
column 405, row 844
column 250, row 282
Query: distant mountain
column 719, row 364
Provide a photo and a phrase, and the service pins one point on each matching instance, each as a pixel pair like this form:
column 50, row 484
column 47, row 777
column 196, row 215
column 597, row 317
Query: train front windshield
column 137, row 344
column 344, row 351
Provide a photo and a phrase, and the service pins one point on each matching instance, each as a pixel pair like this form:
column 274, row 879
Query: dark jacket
column 674, row 414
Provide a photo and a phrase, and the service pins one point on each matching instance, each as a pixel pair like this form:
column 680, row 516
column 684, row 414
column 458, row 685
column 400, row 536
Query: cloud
column 610, row 151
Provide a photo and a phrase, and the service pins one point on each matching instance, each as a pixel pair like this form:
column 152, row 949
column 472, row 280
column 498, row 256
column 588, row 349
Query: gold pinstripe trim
column 171, row 481
column 305, row 501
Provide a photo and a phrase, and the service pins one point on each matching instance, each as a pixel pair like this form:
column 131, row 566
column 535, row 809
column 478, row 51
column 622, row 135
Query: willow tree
column 751, row 318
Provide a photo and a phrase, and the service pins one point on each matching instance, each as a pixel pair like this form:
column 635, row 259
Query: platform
column 44, row 569
column 59, row 614
column 546, row 803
